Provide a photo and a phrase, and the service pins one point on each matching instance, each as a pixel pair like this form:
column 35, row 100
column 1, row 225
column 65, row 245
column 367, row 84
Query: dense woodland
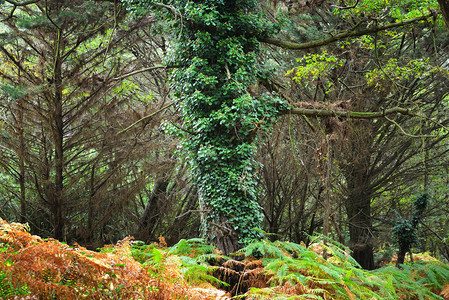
column 230, row 120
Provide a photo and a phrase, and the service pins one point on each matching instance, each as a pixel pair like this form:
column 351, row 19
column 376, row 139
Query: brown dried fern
column 52, row 269
column 445, row 292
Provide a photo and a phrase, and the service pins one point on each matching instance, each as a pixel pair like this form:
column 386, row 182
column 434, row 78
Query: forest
column 209, row 149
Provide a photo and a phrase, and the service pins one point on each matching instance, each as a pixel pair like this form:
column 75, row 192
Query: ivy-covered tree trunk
column 401, row 255
column 405, row 231
column 217, row 51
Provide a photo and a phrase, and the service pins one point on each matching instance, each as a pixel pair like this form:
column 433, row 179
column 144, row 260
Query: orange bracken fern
column 51, row 269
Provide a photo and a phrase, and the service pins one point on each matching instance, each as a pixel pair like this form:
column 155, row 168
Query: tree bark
column 358, row 208
column 401, row 256
column 444, row 6
column 226, row 238
column 353, row 32
column 58, row 140
column 149, row 218
column 316, row 112
column 21, row 157
column 220, row 232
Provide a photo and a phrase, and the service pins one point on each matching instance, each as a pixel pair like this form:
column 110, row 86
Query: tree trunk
column 91, row 205
column 179, row 225
column 444, row 6
column 358, row 208
column 226, row 239
column 218, row 232
column 58, row 139
column 401, row 256
column 149, row 218
column 327, row 177
column 21, row 156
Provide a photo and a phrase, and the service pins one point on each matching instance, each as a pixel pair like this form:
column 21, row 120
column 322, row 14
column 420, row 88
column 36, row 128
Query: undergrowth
column 7, row 288
column 298, row 272
column 52, row 270
column 191, row 257
column 47, row 269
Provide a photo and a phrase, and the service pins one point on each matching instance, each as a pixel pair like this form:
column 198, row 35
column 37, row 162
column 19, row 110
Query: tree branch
column 349, row 114
column 340, row 36
column 313, row 112
column 192, row 211
column 346, row 7
column 443, row 240
column 406, row 133
column 139, row 71
column 146, row 117
column 24, row 3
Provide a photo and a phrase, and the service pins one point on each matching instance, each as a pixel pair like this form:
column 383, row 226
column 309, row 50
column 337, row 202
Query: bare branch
column 349, row 114
column 7, row 149
column 138, row 72
column 11, row 14
column 313, row 112
column 406, row 133
column 192, row 211
column 346, row 7
column 340, row 36
column 24, row 3
column 16, row 4
column 146, row 117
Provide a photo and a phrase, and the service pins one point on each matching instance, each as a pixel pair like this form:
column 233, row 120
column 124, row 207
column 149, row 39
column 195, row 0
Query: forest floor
column 36, row 268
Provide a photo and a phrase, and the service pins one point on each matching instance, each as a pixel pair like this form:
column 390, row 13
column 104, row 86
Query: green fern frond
column 257, row 293
column 295, row 278
column 139, row 251
column 292, row 248
column 307, row 296
column 196, row 273
column 7, row 288
column 431, row 278
column 194, row 247
column 418, row 280
column 437, row 274
column 272, row 294
column 263, row 248
column 334, row 273
column 278, row 267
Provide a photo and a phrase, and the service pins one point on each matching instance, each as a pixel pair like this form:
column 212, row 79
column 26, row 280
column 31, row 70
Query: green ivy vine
column 215, row 51
column 218, row 49
column 405, row 231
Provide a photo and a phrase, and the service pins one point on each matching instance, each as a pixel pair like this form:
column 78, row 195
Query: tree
column 404, row 231
column 68, row 92
column 217, row 52
column 292, row 188
column 216, row 45
column 375, row 156
column 214, row 56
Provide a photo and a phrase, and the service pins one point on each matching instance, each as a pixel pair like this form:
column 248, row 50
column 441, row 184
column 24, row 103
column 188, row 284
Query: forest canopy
column 233, row 120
